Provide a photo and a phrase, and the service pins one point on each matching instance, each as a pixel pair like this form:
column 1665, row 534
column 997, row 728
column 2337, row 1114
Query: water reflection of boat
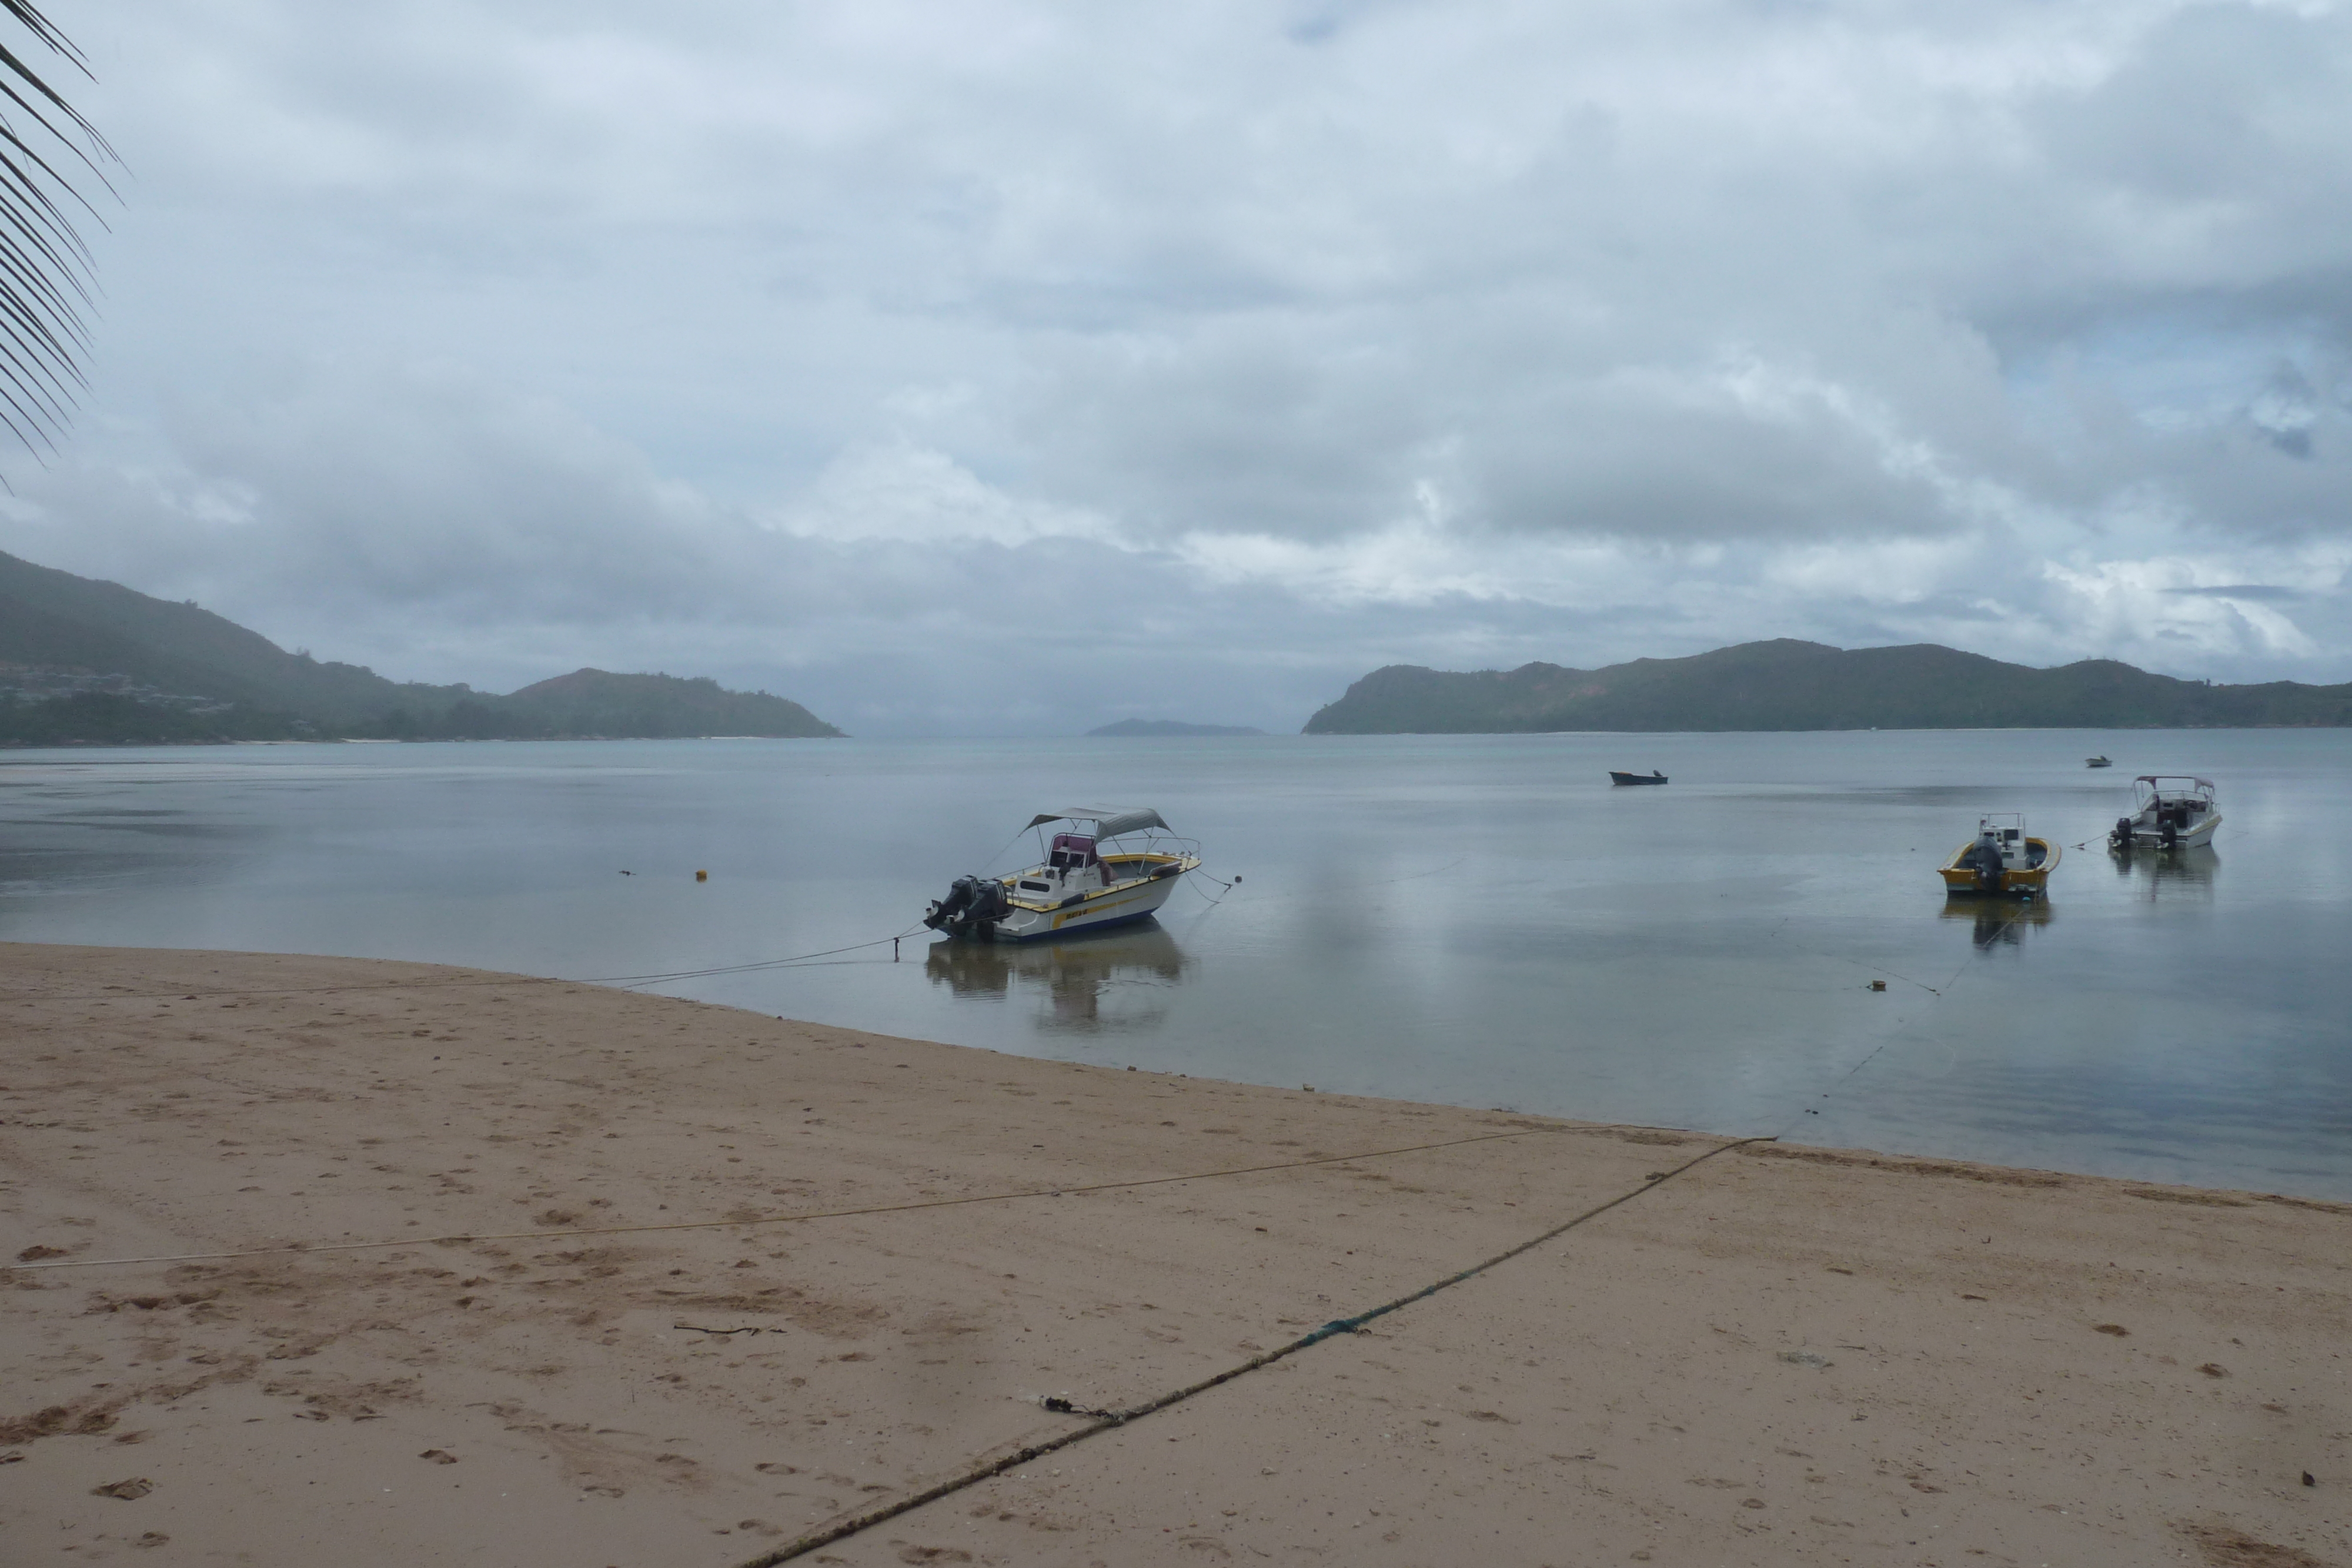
column 1999, row 920
column 2001, row 860
column 1079, row 974
column 2178, row 873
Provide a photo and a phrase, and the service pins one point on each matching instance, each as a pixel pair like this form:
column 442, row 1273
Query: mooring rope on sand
column 1104, row 1421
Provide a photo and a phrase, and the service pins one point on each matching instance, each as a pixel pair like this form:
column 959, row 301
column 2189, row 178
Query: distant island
column 87, row 663
column 1788, row 685
column 1168, row 726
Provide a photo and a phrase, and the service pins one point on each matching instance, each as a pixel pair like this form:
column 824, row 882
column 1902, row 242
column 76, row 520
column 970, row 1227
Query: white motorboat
column 1107, row 868
column 2168, row 812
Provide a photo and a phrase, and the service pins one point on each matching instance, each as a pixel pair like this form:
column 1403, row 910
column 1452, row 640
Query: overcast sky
column 1000, row 368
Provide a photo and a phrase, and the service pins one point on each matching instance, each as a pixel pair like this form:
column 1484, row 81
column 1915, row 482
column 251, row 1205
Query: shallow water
column 1480, row 920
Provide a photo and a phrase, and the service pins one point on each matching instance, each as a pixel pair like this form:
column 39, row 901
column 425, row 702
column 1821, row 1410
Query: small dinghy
column 2169, row 811
column 1653, row 776
column 1083, row 882
column 2097, row 762
column 2001, row 861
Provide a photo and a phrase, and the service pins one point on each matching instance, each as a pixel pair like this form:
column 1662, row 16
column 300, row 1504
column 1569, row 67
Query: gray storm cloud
column 1224, row 352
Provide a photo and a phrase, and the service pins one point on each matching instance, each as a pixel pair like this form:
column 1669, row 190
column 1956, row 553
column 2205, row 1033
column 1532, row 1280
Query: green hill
column 54, row 620
column 84, row 662
column 596, row 702
column 1790, row 685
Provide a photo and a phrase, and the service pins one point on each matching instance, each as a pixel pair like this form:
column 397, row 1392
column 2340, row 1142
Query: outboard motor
column 2122, row 837
column 2169, row 834
column 972, row 908
column 947, row 912
column 1988, row 862
column 990, row 904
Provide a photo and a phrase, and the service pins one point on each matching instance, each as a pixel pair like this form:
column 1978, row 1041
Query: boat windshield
column 2004, row 831
column 2167, row 789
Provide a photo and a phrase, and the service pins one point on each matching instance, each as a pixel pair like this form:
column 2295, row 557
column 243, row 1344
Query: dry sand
column 1783, row 1355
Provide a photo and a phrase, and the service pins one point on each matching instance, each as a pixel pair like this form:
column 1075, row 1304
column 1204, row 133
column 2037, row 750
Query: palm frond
column 46, row 269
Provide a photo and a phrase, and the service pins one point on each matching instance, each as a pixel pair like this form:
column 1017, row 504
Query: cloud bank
column 1001, row 368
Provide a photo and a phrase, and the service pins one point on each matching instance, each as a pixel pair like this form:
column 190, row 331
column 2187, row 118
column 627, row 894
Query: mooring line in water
column 1782, row 924
column 1106, row 1420
column 1939, row 992
column 630, row 982
column 625, row 982
column 1206, row 877
column 304, row 1249
column 621, row 981
column 1836, row 1084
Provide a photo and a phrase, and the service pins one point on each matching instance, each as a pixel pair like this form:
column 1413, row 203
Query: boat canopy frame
column 1110, row 823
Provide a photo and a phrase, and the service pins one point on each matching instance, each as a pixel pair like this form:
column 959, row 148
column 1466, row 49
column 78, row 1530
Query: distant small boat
column 1653, row 776
column 2001, row 860
column 2097, row 762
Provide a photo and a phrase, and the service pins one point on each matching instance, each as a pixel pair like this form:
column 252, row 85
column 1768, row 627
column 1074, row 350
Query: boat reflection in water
column 1999, row 921
column 2184, row 875
column 1111, row 980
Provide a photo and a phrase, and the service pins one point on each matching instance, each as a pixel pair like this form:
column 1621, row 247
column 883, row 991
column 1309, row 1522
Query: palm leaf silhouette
column 44, row 268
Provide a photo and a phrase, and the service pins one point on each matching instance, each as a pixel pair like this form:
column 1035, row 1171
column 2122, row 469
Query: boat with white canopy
column 2169, row 811
column 1103, row 867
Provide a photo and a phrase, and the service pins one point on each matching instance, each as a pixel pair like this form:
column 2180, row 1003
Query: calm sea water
column 1477, row 920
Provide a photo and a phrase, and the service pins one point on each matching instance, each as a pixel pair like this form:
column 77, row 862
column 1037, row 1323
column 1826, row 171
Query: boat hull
column 1009, row 909
column 2188, row 837
column 1617, row 777
column 1961, row 881
column 1116, row 905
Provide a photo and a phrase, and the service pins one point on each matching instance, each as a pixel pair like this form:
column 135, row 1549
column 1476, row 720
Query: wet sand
column 1780, row 1355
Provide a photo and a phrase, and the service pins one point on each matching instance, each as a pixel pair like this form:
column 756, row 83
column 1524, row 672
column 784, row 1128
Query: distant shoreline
column 1320, row 736
column 1786, row 685
column 386, row 740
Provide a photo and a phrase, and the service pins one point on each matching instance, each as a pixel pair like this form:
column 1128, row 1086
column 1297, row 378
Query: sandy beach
column 327, row 1259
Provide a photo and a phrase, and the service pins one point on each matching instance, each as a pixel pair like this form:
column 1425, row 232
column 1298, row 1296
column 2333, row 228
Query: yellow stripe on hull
column 1099, row 906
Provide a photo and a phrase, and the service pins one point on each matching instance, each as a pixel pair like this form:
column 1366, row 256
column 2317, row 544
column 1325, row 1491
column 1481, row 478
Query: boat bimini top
column 1109, row 823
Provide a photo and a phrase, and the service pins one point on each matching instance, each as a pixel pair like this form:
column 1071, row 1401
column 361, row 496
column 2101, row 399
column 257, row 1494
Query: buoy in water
column 702, row 877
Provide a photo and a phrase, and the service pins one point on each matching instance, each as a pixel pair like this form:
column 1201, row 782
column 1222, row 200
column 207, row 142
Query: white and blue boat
column 1103, row 867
